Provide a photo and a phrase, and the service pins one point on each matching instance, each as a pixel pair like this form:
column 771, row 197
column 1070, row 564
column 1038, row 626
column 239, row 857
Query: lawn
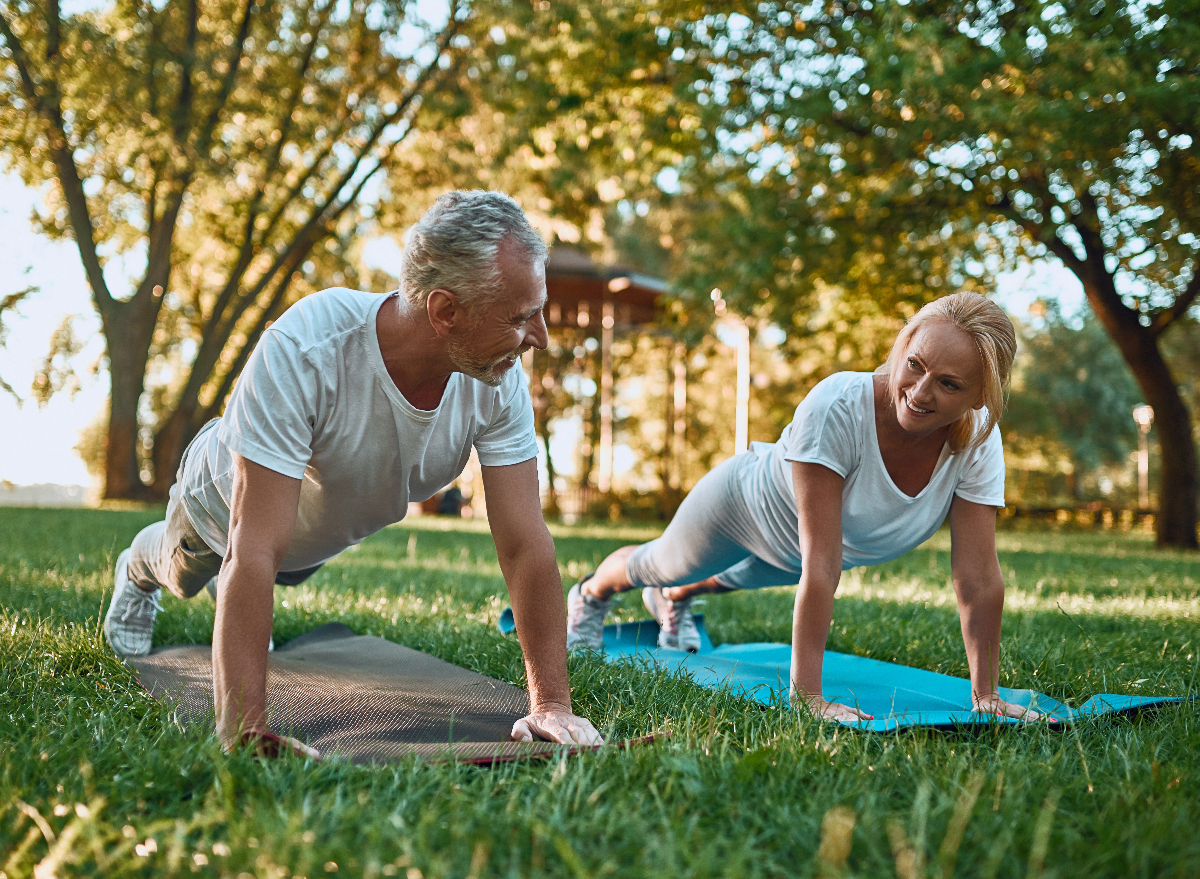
column 96, row 779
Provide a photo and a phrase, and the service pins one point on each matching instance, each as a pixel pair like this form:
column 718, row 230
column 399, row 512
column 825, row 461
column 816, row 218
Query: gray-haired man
column 352, row 405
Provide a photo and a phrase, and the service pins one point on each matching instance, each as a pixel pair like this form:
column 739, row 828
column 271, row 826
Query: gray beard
column 480, row 370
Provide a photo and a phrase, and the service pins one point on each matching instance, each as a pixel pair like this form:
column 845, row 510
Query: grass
column 95, row 779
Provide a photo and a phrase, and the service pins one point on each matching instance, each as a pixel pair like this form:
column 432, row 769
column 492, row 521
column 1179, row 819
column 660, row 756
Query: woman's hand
column 819, row 707
column 993, row 704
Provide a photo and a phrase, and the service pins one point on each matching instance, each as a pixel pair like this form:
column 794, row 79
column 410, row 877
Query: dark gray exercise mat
column 361, row 698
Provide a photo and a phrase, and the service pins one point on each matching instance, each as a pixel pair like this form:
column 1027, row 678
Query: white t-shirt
column 316, row 403
column 835, row 426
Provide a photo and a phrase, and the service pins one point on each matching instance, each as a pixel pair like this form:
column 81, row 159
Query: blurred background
column 739, row 202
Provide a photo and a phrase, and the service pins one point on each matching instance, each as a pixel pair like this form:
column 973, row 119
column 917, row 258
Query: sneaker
column 129, row 624
column 585, row 619
column 676, row 627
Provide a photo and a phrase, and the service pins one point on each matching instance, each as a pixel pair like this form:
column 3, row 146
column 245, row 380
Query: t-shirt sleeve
column 824, row 429
column 982, row 480
column 509, row 437
column 272, row 411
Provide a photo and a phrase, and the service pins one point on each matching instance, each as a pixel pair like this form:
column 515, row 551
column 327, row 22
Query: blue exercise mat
column 895, row 695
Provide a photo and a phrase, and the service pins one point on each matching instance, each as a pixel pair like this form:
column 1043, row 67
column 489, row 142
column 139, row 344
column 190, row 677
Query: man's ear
column 444, row 312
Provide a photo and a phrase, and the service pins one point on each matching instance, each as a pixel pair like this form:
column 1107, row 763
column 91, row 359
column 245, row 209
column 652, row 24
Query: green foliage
column 1071, row 390
column 734, row 790
column 9, row 303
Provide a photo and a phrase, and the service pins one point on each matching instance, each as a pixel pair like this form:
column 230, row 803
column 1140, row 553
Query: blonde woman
column 870, row 467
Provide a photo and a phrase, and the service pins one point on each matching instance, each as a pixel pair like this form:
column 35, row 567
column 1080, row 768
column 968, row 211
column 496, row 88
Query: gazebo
column 602, row 301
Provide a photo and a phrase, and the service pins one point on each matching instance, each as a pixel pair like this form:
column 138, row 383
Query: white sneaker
column 585, row 619
column 129, row 624
column 676, row 627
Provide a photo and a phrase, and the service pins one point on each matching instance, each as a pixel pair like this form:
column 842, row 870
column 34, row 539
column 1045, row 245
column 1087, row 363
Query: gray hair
column 455, row 245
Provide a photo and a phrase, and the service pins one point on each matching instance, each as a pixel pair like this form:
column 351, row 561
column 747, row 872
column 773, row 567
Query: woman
column 869, row 468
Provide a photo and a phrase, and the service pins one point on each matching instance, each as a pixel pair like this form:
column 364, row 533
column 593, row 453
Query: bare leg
column 610, row 578
column 704, row 587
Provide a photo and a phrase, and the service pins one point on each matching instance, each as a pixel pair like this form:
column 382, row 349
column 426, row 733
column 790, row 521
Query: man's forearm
column 240, row 638
column 540, row 614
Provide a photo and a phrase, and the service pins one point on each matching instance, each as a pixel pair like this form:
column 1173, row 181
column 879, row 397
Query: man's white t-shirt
column 835, row 426
column 316, row 403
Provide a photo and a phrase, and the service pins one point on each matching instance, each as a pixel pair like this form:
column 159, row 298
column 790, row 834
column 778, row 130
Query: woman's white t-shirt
column 835, row 426
column 315, row 402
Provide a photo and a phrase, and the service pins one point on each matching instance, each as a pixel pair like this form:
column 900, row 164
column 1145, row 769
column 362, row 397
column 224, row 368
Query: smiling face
column 491, row 345
column 938, row 380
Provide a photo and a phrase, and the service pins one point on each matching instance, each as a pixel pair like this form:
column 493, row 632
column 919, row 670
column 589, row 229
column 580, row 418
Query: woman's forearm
column 810, row 628
column 981, row 606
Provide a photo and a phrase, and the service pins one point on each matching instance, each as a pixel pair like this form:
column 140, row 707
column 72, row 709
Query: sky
column 37, row 443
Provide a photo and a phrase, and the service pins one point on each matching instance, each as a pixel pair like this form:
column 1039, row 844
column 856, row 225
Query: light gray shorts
column 711, row 535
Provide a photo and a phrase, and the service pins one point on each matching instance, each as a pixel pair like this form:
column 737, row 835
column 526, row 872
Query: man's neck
column 413, row 354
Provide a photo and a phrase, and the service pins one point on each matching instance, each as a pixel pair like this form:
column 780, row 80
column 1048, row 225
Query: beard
column 478, row 368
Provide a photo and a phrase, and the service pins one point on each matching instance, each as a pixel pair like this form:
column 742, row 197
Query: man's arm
column 530, row 570
column 819, row 507
column 979, row 587
column 262, row 515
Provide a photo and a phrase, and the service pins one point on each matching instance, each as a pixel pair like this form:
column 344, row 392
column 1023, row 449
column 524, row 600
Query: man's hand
column 819, row 707
column 993, row 704
column 267, row 745
column 556, row 723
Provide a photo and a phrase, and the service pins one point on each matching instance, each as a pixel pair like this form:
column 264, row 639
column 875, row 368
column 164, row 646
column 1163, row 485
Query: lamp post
column 741, row 420
column 1144, row 416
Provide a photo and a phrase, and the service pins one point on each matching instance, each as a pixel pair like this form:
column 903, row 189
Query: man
column 352, row 405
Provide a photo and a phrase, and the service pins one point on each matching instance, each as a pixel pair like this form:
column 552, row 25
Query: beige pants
column 170, row 554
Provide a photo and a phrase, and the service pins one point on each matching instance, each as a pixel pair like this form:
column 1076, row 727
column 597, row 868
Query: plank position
column 869, row 468
column 351, row 406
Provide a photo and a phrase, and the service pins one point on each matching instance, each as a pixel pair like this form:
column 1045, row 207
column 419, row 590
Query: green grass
column 95, row 778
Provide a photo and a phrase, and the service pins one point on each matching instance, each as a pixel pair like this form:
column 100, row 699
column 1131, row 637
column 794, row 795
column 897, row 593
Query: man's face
column 491, row 346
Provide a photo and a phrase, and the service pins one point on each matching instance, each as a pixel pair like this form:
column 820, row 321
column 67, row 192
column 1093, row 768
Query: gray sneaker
column 129, row 624
column 676, row 627
column 585, row 619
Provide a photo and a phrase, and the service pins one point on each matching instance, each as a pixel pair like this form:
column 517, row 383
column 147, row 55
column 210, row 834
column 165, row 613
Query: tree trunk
column 1179, row 479
column 127, row 374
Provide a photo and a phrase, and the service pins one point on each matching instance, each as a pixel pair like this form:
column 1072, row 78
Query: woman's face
column 940, row 378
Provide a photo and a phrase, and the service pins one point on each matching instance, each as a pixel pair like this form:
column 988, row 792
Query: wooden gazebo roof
column 578, row 290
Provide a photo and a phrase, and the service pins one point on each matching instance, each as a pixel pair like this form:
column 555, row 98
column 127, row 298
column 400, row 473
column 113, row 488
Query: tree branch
column 1167, row 316
column 50, row 110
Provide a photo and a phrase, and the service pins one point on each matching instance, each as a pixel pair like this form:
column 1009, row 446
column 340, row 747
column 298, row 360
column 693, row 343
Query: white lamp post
column 741, row 420
column 1144, row 416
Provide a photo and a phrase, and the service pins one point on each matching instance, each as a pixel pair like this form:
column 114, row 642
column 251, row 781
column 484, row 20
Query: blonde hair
column 995, row 340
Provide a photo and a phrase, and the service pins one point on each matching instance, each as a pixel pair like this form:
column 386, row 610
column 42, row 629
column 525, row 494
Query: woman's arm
column 979, row 586
column 819, row 505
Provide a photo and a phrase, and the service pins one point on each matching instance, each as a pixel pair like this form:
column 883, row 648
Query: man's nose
column 536, row 333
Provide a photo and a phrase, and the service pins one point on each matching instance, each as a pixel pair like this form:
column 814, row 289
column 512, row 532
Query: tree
column 227, row 143
column 1072, row 387
column 902, row 151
